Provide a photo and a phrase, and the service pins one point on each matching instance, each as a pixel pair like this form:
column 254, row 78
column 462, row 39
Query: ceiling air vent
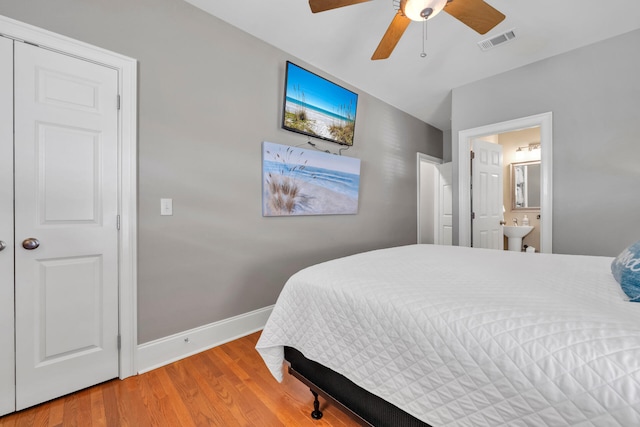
column 497, row 40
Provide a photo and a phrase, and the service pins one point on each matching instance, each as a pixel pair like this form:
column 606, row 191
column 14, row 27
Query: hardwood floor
column 226, row 386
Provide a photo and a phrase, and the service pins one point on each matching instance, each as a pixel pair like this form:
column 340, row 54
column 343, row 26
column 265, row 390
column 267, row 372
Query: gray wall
column 209, row 94
column 446, row 146
column 594, row 94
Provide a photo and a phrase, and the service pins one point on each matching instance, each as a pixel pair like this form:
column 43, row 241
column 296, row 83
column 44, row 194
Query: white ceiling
column 340, row 42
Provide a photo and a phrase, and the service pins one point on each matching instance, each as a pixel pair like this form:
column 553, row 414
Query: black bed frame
column 364, row 407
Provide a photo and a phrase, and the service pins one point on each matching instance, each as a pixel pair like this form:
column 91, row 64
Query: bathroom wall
column 510, row 142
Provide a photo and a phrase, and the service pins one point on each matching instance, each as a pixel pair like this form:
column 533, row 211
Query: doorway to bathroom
column 435, row 200
column 542, row 124
column 505, row 190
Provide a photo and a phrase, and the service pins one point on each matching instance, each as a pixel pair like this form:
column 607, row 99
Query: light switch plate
column 166, row 206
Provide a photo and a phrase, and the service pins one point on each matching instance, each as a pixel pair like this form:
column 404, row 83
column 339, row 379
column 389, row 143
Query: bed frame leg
column 317, row 413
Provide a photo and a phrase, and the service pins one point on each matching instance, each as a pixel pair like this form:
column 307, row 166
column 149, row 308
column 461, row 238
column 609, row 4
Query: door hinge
column 118, row 102
column 119, row 342
column 473, row 215
column 473, row 155
column 118, row 222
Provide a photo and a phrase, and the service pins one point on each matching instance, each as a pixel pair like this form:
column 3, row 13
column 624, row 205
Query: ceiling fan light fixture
column 419, row 10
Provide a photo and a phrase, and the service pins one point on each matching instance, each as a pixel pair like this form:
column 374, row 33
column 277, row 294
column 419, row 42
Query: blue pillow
column 626, row 269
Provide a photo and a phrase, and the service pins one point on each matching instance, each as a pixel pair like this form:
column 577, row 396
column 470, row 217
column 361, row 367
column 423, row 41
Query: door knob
column 31, row 243
column 2, row 245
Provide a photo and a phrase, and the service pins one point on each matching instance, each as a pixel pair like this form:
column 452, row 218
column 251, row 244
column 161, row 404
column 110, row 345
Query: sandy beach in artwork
column 314, row 200
column 319, row 122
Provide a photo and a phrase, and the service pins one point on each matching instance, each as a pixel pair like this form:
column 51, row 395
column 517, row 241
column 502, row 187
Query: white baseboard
column 160, row 352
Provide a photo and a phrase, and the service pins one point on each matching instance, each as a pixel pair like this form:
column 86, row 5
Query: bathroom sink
column 514, row 234
column 517, row 231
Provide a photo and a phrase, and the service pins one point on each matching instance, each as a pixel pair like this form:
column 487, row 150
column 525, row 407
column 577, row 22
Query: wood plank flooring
column 226, row 386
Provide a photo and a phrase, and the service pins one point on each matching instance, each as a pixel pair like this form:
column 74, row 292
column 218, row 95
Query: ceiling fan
column 476, row 14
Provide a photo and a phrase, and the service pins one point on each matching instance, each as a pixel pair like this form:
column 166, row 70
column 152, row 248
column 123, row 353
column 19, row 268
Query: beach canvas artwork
column 296, row 181
column 317, row 107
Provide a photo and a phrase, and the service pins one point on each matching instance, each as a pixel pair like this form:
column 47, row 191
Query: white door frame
column 465, row 137
column 127, row 165
column 419, row 159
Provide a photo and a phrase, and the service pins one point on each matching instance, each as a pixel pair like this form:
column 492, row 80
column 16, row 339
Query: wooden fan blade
column 392, row 36
column 476, row 14
column 322, row 5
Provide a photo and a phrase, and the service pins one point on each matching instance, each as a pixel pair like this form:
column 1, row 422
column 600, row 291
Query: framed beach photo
column 316, row 107
column 296, row 181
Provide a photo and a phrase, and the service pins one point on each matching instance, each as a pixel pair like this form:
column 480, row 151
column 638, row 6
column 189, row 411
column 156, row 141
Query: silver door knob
column 2, row 245
column 31, row 243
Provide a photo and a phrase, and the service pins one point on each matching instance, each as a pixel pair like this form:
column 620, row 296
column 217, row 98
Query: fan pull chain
column 424, row 33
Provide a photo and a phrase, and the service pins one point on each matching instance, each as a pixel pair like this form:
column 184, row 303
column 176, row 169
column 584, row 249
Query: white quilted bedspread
column 469, row 337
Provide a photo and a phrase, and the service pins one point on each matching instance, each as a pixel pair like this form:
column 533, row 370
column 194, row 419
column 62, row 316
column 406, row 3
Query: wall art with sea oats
column 296, row 181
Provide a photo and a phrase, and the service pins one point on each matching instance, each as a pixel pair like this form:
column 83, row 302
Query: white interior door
column 427, row 175
column 444, row 205
column 66, row 282
column 487, row 197
column 7, row 352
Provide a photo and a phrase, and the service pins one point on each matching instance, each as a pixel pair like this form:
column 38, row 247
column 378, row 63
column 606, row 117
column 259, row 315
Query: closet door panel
column 66, row 195
column 7, row 360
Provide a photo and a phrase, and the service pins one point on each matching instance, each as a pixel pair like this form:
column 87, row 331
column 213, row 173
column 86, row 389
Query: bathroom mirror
column 525, row 185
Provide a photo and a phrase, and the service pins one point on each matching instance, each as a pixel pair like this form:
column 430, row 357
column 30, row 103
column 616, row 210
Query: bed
column 454, row 336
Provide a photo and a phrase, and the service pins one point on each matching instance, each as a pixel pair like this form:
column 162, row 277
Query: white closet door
column 66, row 185
column 7, row 361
